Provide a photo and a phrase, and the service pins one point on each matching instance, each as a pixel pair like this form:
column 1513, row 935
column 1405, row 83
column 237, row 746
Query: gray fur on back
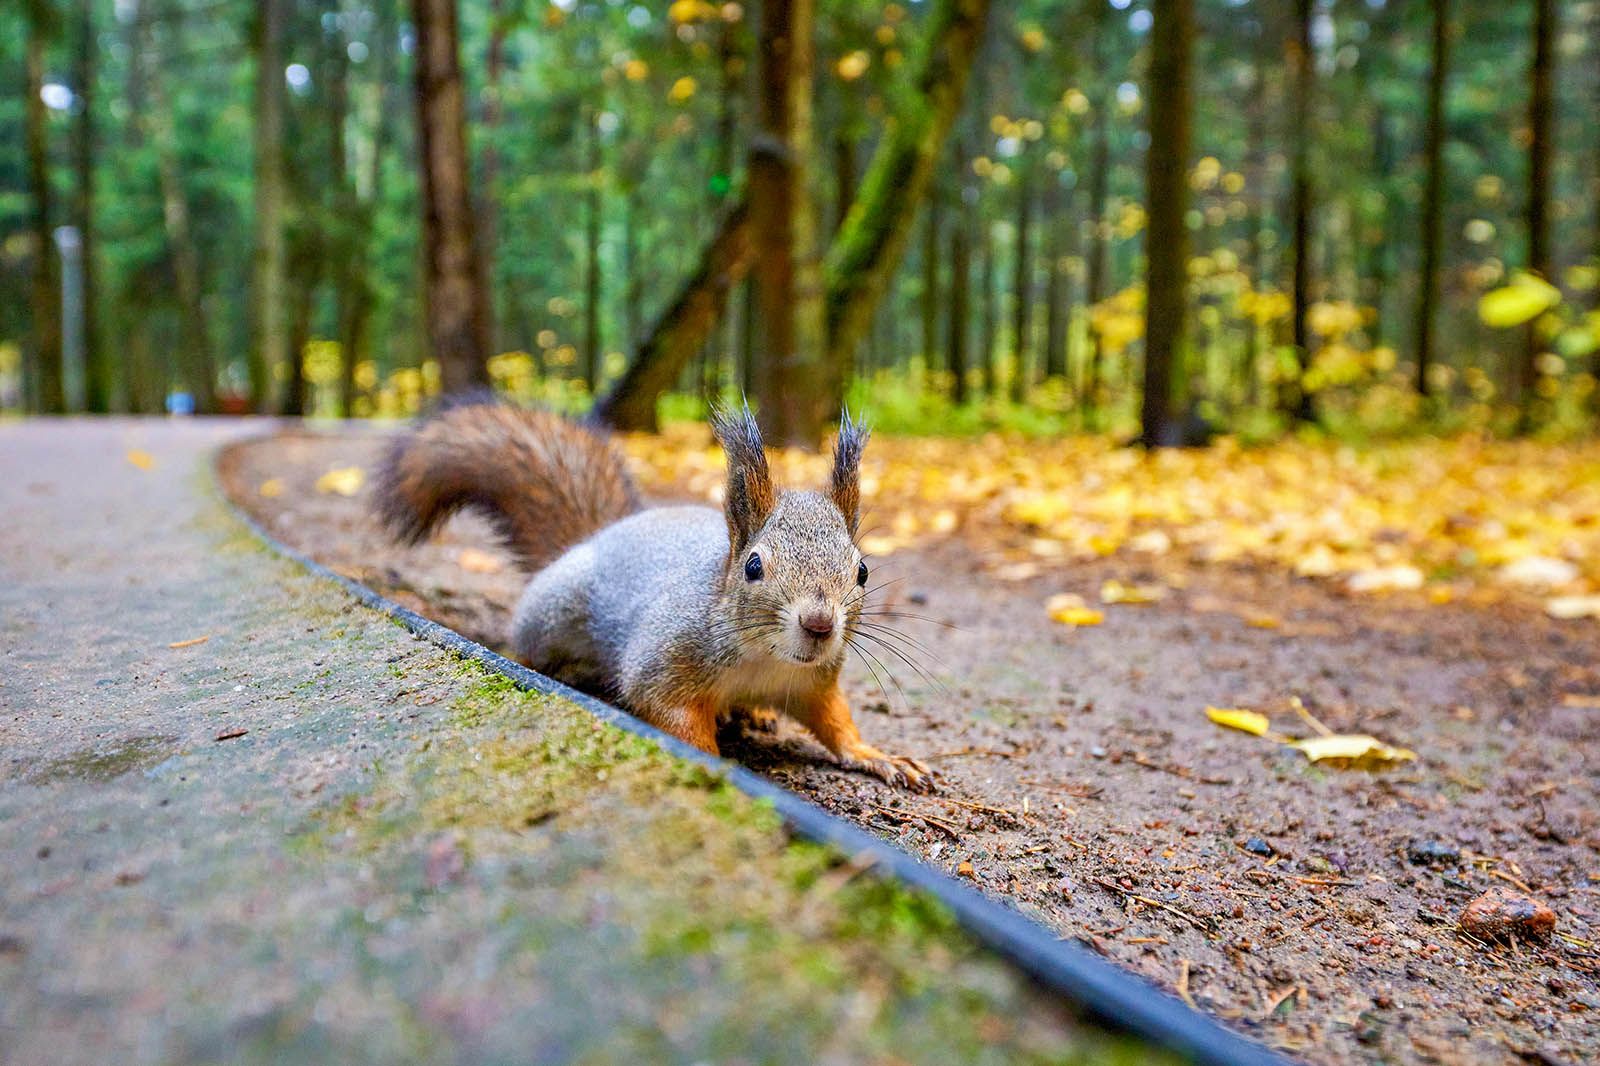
column 599, row 615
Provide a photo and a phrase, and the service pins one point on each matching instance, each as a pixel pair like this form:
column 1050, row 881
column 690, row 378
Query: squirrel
column 681, row 614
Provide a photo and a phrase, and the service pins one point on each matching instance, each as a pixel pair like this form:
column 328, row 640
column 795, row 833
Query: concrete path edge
column 1098, row 988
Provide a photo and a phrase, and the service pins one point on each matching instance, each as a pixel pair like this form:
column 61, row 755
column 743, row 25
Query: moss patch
column 696, row 878
column 106, row 761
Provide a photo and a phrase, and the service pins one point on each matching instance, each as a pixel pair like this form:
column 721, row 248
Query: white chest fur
column 767, row 682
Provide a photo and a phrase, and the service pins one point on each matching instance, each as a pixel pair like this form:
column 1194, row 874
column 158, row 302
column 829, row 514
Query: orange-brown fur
column 545, row 481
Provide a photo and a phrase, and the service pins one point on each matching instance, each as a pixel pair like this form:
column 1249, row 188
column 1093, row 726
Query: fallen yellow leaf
column 1070, row 610
column 1568, row 608
column 344, row 480
column 1386, row 579
column 1114, row 591
column 1262, row 621
column 141, row 459
column 474, row 561
column 1358, row 749
column 271, row 488
column 1253, row 722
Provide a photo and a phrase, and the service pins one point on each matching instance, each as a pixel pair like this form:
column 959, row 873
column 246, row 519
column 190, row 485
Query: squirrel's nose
column 817, row 621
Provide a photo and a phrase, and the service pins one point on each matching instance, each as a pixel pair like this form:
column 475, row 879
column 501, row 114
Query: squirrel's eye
column 752, row 568
column 861, row 574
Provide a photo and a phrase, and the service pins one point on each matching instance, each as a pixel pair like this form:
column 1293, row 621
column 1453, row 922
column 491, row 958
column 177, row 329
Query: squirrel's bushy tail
column 543, row 480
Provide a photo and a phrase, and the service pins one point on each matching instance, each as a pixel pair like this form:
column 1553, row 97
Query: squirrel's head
column 795, row 579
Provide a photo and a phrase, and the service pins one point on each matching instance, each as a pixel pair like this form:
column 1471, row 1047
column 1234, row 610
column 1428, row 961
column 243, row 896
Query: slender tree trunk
column 1541, row 119
column 930, row 280
column 1095, row 284
column 457, row 299
column 198, row 359
column 816, row 396
column 137, row 371
column 46, row 379
column 97, row 378
column 1022, row 308
column 1300, row 64
column 355, row 318
column 305, row 260
column 269, row 341
column 784, row 268
column 1054, row 363
column 592, row 221
column 770, row 190
column 960, row 282
column 844, row 176
column 1594, row 360
column 1433, row 193
column 488, row 199
column 631, row 403
column 868, row 248
column 989, row 324
column 1167, row 193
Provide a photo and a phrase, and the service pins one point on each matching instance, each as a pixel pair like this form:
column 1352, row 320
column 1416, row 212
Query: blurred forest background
column 1163, row 218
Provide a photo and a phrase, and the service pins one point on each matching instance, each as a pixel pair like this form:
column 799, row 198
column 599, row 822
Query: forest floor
column 247, row 819
column 1086, row 607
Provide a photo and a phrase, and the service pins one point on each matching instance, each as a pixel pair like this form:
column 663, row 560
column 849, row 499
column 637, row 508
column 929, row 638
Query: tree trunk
column 1166, row 193
column 305, row 258
column 97, row 377
column 1299, row 62
column 785, row 270
column 1541, row 118
column 989, row 326
column 960, row 280
column 844, row 176
column 488, row 199
column 1022, row 308
column 198, row 359
column 867, row 251
column 592, row 221
column 269, row 342
column 1054, row 364
column 930, row 280
column 456, row 299
column 357, row 300
column 1433, row 193
column 1095, row 284
column 670, row 342
column 46, row 378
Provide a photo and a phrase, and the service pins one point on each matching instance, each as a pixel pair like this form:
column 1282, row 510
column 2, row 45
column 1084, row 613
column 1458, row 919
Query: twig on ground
column 1139, row 759
column 1199, row 923
column 1183, row 984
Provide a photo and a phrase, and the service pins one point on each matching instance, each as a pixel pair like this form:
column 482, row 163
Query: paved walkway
column 243, row 818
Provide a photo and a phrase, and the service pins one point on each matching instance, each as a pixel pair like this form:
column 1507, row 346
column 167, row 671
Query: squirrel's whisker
column 908, row 640
column 895, row 681
column 897, row 653
column 870, row 668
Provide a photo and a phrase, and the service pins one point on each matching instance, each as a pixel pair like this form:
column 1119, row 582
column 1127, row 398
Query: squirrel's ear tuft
column 846, row 482
column 750, row 498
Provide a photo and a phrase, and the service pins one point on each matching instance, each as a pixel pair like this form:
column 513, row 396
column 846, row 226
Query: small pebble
column 1257, row 846
column 1499, row 914
column 1432, row 853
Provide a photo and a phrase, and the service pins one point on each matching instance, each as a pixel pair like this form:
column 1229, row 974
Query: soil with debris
column 1313, row 907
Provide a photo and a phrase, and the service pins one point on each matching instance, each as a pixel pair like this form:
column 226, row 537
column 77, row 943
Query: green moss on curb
column 705, row 878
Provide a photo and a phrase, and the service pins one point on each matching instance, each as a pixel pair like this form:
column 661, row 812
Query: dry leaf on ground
column 344, row 480
column 1356, row 749
column 1252, row 722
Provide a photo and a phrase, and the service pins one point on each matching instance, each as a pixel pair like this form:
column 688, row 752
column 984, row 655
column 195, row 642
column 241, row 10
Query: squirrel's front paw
column 898, row 770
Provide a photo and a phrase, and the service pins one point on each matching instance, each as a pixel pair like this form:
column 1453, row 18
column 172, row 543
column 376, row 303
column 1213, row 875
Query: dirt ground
column 1314, row 908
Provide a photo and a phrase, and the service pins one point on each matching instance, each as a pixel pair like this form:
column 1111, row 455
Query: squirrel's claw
column 898, row 770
